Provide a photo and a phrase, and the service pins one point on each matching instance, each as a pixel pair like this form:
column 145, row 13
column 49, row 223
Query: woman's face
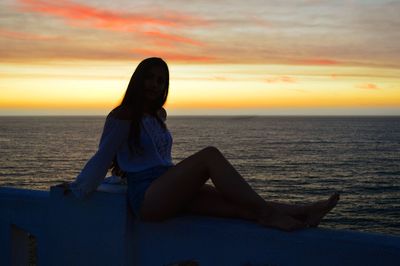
column 154, row 83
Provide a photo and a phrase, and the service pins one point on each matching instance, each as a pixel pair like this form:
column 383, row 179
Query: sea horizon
column 214, row 115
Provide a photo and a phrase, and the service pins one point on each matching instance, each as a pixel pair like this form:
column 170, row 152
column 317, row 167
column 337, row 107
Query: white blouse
column 155, row 141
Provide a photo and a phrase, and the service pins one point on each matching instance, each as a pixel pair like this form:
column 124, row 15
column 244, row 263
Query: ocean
column 286, row 159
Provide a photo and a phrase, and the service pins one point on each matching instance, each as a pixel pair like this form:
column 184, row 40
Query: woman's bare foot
column 314, row 212
column 280, row 221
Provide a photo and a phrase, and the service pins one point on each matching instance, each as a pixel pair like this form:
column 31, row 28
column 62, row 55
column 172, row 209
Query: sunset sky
column 310, row 57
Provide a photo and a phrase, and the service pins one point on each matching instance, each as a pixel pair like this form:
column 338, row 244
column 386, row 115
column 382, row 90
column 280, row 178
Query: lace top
column 155, row 141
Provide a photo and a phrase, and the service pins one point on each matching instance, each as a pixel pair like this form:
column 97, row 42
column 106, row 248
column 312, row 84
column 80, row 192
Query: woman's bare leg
column 180, row 184
column 209, row 201
column 176, row 189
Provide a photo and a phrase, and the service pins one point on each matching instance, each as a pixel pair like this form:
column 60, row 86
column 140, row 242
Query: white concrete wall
column 102, row 231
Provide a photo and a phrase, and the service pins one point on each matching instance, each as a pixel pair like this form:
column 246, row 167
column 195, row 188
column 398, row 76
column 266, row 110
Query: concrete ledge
column 102, row 231
column 213, row 241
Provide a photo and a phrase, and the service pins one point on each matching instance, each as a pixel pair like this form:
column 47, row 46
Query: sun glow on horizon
column 85, row 86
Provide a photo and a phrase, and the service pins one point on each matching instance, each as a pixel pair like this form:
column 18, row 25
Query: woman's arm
column 115, row 133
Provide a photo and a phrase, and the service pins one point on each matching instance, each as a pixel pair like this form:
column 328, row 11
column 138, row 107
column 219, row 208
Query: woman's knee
column 211, row 151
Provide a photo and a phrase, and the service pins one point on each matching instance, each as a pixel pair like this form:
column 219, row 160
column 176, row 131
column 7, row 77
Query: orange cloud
column 323, row 62
column 260, row 22
column 172, row 56
column 79, row 15
column 368, row 86
column 280, row 79
column 25, row 35
column 171, row 37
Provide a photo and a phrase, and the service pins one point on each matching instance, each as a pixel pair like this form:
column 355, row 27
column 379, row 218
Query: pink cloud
column 281, row 79
column 368, row 86
column 80, row 15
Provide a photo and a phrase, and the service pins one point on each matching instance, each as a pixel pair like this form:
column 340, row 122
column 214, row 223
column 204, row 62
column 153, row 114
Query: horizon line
column 223, row 115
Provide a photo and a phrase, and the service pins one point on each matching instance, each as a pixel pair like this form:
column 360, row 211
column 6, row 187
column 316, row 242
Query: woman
column 137, row 143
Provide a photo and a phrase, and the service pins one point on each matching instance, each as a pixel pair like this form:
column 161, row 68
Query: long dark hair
column 132, row 105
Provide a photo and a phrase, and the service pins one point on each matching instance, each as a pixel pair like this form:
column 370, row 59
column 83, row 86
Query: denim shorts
column 138, row 182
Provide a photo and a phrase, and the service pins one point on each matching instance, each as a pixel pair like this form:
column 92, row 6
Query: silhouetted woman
column 137, row 143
